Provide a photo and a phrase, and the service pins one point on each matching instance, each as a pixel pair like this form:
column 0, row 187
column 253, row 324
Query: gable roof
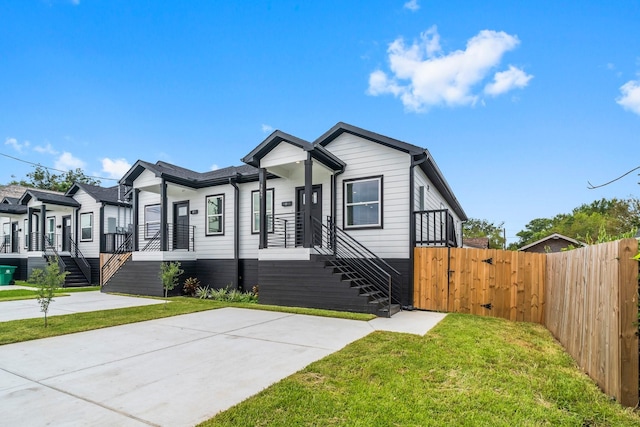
column 554, row 236
column 317, row 152
column 476, row 242
column 188, row 177
column 420, row 157
column 10, row 200
column 107, row 195
column 48, row 198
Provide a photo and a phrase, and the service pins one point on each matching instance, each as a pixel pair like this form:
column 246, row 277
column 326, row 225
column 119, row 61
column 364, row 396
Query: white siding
column 282, row 154
column 147, row 179
column 213, row 246
column 90, row 249
column 368, row 159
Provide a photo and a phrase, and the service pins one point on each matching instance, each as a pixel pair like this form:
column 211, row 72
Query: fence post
column 628, row 339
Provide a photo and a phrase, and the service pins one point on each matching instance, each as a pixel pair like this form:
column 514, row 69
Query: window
column 26, row 233
column 86, row 226
column 421, row 198
column 51, row 230
column 215, row 214
column 6, row 240
column 363, row 203
column 255, row 211
column 151, row 221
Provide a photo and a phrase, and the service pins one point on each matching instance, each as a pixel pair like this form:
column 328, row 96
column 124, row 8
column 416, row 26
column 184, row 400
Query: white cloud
column 47, row 149
column 504, row 81
column 412, row 5
column 423, row 76
column 267, row 128
column 16, row 145
column 214, row 167
column 67, row 161
column 115, row 168
column 630, row 98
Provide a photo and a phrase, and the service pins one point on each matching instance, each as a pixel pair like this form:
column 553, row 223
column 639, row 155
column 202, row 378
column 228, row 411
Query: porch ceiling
column 295, row 170
column 173, row 190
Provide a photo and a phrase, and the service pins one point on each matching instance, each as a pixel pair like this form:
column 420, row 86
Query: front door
column 316, row 213
column 15, row 243
column 66, row 233
column 181, row 225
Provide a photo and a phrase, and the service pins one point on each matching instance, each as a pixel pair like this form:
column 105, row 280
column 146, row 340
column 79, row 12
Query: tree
column 483, row 228
column 169, row 274
column 43, row 179
column 587, row 223
column 47, row 282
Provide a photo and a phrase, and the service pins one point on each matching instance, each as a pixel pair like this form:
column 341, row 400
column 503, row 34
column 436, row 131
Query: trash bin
column 6, row 274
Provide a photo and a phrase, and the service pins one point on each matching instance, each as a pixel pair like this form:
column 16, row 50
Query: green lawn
column 20, row 294
column 468, row 370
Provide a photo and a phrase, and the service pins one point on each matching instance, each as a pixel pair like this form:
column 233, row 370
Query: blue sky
column 520, row 105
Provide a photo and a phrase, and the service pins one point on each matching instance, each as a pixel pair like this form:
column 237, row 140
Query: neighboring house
column 75, row 226
column 476, row 242
column 553, row 243
column 372, row 200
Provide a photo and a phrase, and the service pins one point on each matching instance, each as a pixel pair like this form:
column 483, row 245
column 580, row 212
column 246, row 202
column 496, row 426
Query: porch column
column 262, row 177
column 43, row 227
column 308, row 202
column 136, row 195
column 29, row 229
column 163, row 216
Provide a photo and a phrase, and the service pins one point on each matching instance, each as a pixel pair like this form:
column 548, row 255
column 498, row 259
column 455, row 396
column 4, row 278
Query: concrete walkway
column 77, row 302
column 176, row 371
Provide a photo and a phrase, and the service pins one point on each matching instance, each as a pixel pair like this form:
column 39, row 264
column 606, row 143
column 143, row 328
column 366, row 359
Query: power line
column 591, row 186
column 53, row 169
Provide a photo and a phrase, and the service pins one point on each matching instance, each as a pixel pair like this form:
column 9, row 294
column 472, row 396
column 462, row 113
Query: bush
column 190, row 286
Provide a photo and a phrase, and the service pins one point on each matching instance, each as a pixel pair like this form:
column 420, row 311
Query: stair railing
column 50, row 250
column 114, row 262
column 80, row 260
column 334, row 243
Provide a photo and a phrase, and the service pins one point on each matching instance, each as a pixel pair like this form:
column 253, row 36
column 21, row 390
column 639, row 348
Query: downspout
column 236, row 230
column 101, row 229
column 412, row 224
column 163, row 217
column 334, row 208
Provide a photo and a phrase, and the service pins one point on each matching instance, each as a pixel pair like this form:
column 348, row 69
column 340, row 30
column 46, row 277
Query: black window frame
column 82, row 239
column 221, row 214
column 345, row 183
column 148, row 236
column 256, row 210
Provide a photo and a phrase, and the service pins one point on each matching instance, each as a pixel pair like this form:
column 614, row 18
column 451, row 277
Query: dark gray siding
column 248, row 274
column 95, row 270
column 308, row 284
column 217, row 273
column 143, row 278
column 404, row 267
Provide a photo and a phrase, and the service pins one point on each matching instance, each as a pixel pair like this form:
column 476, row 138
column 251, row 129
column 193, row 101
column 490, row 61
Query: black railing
column 112, row 241
column 435, row 228
column 51, row 251
column 79, row 258
column 179, row 237
column 288, row 231
column 376, row 276
column 10, row 247
column 115, row 261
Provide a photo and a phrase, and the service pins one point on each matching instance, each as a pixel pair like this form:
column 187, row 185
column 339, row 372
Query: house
column 328, row 224
column 476, row 242
column 556, row 242
column 77, row 226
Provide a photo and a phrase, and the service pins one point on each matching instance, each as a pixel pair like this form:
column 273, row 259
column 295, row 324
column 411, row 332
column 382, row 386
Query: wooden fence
column 487, row 282
column 592, row 309
column 586, row 297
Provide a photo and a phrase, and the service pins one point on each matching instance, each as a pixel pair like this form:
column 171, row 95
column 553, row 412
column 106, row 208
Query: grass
column 467, row 371
column 20, row 294
column 31, row 329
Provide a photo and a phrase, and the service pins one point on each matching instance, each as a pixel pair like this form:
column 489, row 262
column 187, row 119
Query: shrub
column 190, row 286
column 202, row 292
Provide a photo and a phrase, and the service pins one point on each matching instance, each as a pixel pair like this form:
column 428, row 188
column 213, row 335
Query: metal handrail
column 435, row 228
column 335, row 244
column 110, row 266
column 153, row 243
column 50, row 246
column 84, row 265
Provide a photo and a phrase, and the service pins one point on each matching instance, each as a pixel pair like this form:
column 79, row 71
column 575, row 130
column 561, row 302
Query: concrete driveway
column 176, row 371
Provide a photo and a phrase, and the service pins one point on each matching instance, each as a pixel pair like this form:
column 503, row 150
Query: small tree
column 47, row 282
column 169, row 274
